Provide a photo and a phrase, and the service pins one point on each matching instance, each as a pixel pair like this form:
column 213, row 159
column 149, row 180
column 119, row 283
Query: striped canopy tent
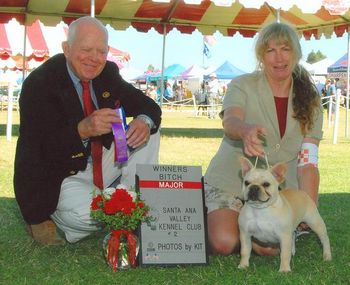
column 34, row 44
column 118, row 56
column 5, row 49
column 314, row 17
column 310, row 18
column 340, row 65
column 13, row 48
column 339, row 69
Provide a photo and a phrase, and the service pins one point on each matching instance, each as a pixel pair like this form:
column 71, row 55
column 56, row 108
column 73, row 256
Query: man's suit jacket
column 49, row 147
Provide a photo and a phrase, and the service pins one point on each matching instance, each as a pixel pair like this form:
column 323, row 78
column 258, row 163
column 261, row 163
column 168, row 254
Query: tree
column 320, row 55
column 315, row 57
column 150, row 68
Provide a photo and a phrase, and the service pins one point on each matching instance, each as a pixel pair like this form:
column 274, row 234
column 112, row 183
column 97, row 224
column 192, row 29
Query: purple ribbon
column 120, row 144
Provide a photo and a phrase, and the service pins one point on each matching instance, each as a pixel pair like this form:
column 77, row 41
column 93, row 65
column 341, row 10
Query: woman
column 273, row 112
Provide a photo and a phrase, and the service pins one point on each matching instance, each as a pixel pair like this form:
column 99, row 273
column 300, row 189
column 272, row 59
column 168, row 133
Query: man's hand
column 138, row 133
column 98, row 123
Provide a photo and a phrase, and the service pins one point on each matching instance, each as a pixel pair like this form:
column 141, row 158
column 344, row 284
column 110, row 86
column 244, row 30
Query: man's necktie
column 96, row 145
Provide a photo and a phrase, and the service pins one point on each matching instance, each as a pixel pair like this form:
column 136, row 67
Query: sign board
column 178, row 234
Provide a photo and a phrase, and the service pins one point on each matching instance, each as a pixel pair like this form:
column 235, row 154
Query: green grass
column 187, row 140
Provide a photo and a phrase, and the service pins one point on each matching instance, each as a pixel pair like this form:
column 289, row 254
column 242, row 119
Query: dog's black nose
column 253, row 193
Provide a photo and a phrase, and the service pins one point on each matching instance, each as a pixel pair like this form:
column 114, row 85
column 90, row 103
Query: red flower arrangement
column 122, row 212
column 119, row 210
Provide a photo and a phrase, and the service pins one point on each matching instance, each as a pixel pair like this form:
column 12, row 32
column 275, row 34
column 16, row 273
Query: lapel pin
column 106, row 95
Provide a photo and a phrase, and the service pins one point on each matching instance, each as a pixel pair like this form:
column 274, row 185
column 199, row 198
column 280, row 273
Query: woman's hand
column 251, row 135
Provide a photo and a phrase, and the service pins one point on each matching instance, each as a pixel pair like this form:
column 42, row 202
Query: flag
column 210, row 40
column 206, row 51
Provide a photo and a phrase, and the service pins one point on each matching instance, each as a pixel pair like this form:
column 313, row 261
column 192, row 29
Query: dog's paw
column 327, row 256
column 284, row 269
column 235, row 203
column 243, row 266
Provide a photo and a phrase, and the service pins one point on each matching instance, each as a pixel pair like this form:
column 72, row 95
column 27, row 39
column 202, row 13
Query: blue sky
column 146, row 48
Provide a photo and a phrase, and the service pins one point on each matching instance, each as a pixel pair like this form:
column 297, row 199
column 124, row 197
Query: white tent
column 320, row 67
column 306, row 65
column 193, row 72
column 129, row 73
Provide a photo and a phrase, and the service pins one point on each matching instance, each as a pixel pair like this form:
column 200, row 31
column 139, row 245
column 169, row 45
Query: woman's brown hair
column 306, row 101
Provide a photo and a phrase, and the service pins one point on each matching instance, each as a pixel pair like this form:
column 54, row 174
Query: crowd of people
column 328, row 89
column 208, row 94
column 66, row 149
column 173, row 91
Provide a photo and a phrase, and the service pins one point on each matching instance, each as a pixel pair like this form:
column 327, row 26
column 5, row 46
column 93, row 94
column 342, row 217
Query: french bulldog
column 271, row 216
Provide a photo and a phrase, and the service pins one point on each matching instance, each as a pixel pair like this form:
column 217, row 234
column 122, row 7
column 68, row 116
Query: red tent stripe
column 324, row 15
column 5, row 49
column 84, row 7
column 340, row 30
column 68, row 20
column 291, row 18
column 14, row 3
column 146, row 10
column 206, row 17
column 244, row 33
column 142, row 27
column 124, row 56
column 251, row 16
column 6, row 17
column 37, row 40
column 191, row 12
column 309, row 33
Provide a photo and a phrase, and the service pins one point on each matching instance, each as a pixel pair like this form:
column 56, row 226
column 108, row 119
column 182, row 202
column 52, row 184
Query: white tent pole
column 10, row 89
column 162, row 71
column 92, row 10
column 9, row 111
column 347, row 90
column 330, row 108
column 336, row 115
column 24, row 51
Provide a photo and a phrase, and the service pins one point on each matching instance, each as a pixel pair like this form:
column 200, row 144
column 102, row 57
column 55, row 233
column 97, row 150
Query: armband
column 308, row 155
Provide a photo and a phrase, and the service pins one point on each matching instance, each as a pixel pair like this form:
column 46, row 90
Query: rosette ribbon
column 120, row 144
column 113, row 248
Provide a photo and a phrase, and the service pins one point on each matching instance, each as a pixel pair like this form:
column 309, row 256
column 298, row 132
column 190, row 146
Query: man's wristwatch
column 147, row 120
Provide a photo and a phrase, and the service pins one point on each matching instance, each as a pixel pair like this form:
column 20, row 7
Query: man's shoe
column 45, row 233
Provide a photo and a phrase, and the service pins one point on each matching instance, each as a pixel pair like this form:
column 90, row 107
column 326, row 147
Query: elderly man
column 66, row 147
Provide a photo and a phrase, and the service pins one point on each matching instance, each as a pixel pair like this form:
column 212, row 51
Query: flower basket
column 122, row 211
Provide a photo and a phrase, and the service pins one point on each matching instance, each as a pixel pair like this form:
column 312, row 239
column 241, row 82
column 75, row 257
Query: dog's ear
column 246, row 165
column 278, row 171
